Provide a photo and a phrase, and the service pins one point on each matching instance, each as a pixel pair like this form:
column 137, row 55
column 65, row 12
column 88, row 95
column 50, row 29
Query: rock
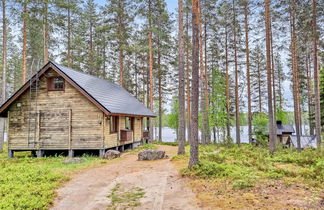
column 73, row 160
column 151, row 154
column 111, row 154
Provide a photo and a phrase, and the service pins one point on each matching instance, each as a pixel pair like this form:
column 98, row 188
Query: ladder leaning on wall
column 32, row 113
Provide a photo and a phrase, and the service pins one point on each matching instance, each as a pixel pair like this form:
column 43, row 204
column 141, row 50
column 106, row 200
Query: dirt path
column 163, row 187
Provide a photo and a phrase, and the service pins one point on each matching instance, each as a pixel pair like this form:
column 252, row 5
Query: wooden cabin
column 60, row 109
column 283, row 132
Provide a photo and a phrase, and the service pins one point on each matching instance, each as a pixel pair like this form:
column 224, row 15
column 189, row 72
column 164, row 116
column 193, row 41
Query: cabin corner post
column 40, row 152
column 102, row 150
column 71, row 151
column 10, row 152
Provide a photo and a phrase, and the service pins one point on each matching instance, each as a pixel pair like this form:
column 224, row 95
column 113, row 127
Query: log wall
column 60, row 120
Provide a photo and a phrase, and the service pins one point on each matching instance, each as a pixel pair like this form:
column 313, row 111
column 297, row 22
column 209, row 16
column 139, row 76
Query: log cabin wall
column 122, row 125
column 61, row 119
column 111, row 139
column 137, row 129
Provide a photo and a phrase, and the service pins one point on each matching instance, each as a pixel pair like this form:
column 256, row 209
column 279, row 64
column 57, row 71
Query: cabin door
column 54, row 129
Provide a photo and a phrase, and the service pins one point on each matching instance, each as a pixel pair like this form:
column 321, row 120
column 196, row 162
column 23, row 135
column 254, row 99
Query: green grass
column 142, row 147
column 122, row 198
column 30, row 183
column 246, row 165
column 166, row 143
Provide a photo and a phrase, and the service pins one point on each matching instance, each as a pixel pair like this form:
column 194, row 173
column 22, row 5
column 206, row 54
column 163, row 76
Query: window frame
column 132, row 121
column 51, row 84
column 113, row 120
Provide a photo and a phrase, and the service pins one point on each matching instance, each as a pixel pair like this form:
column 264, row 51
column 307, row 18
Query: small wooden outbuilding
column 67, row 110
column 283, row 132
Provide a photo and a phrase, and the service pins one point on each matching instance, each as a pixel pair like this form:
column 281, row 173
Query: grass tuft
column 122, row 198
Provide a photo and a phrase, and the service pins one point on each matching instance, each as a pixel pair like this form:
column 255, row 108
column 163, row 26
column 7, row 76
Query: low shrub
column 245, row 164
column 242, row 184
column 30, row 183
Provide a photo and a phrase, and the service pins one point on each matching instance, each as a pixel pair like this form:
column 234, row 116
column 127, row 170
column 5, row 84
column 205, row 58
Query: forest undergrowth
column 229, row 176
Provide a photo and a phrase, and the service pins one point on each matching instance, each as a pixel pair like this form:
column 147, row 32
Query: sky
column 171, row 4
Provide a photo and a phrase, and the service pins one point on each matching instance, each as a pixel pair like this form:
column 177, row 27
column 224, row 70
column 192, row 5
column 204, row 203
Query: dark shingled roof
column 111, row 96
column 108, row 96
column 285, row 129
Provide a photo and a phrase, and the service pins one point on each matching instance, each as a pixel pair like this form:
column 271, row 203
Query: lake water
column 169, row 134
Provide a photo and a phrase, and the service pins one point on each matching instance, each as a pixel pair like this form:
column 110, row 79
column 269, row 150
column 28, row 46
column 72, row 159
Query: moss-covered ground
column 247, row 177
column 29, row 183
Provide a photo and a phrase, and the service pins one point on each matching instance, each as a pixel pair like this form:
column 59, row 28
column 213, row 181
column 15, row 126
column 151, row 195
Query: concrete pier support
column 71, row 153
column 101, row 152
column 40, row 153
column 10, row 153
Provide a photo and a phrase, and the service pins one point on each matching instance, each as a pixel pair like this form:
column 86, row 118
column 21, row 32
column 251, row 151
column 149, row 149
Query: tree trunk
column 273, row 83
column 45, row 31
column 309, row 95
column 295, row 74
column 247, row 51
column 259, row 83
column 228, row 125
column 280, row 86
column 202, row 82
column 237, row 100
column 150, row 69
column 207, row 129
column 188, row 77
column 316, row 81
column 160, row 97
column 194, row 150
column 182, row 108
column 160, row 89
column 4, row 67
column 121, row 67
column 272, row 135
column 91, row 50
column 24, row 50
column 69, row 36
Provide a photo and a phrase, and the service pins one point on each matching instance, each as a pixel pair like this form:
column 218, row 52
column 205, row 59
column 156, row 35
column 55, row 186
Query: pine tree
column 4, row 52
column 164, row 49
column 194, row 158
column 120, row 17
column 237, row 99
column 258, row 77
column 45, row 30
column 4, row 67
column 182, row 128
column 90, row 18
column 24, row 48
column 272, row 135
column 316, row 79
column 295, row 72
column 187, row 10
column 247, row 51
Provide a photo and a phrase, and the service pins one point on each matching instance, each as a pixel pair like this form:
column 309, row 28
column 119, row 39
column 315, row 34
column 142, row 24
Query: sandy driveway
column 163, row 187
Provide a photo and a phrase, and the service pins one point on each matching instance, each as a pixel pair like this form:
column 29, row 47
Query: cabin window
column 113, row 124
column 129, row 123
column 55, row 84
